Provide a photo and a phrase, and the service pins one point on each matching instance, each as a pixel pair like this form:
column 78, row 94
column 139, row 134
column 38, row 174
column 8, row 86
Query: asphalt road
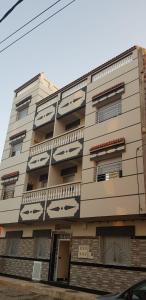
column 9, row 293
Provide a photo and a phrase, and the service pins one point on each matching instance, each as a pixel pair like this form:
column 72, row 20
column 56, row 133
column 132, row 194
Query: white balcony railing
column 52, row 193
column 63, row 139
column 41, row 147
column 35, row 196
column 66, row 138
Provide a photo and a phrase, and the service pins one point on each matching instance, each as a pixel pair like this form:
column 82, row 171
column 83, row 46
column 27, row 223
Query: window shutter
column 116, row 250
column 109, row 170
column 109, row 111
column 41, row 247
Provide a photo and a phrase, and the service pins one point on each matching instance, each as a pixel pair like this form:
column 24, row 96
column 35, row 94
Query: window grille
column 116, row 250
column 8, row 191
column 109, row 111
column 109, row 171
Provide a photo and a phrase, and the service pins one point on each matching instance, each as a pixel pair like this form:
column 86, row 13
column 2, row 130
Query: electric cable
column 10, row 10
column 27, row 23
column 50, row 17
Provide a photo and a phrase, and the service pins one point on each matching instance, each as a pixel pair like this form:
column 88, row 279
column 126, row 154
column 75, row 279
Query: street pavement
column 14, row 289
column 9, row 293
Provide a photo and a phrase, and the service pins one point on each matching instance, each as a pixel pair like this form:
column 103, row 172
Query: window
column 16, row 142
column 109, row 111
column 13, row 239
column 41, row 247
column 22, row 113
column 116, row 250
column 68, row 174
column 72, row 125
column 8, row 181
column 8, row 191
column 44, row 180
column 49, row 135
column 16, row 149
column 106, row 171
column 12, row 246
column 68, row 178
column 22, row 107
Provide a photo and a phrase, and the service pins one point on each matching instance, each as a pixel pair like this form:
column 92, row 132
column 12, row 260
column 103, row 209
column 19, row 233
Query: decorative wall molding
column 63, row 208
column 67, row 151
column 71, row 103
column 32, row 211
column 115, row 66
column 39, row 160
column 44, row 116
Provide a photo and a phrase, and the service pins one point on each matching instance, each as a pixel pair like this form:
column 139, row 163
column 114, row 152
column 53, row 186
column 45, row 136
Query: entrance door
column 63, row 260
column 59, row 264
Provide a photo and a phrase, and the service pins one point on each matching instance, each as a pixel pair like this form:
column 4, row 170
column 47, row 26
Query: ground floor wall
column 92, row 262
column 17, row 256
column 22, row 268
column 98, row 275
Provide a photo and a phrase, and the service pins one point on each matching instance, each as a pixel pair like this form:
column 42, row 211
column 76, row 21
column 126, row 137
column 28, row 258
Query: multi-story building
column 73, row 179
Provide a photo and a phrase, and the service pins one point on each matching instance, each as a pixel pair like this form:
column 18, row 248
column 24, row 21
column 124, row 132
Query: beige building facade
column 73, row 179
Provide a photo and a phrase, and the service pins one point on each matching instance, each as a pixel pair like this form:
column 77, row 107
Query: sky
column 83, row 36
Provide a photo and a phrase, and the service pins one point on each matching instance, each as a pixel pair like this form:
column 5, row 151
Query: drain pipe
column 138, row 187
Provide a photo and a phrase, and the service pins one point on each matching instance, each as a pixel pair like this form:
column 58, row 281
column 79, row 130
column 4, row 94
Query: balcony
column 71, row 101
column 58, row 201
column 64, row 146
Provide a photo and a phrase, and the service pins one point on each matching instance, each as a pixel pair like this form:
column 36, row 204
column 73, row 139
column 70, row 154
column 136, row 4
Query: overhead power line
column 31, row 20
column 47, row 19
column 10, row 10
